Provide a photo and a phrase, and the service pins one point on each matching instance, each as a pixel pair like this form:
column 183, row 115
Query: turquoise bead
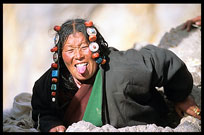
column 54, row 73
column 53, row 87
column 99, row 60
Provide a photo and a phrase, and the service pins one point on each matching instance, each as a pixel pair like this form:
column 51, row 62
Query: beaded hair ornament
column 55, row 65
column 93, row 46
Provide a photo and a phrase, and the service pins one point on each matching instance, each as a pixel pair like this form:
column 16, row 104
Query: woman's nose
column 78, row 54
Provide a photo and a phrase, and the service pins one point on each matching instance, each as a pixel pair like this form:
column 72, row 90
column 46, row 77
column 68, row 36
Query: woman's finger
column 61, row 129
column 53, row 130
column 194, row 111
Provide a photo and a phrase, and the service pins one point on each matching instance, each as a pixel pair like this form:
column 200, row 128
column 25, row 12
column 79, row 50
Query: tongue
column 81, row 69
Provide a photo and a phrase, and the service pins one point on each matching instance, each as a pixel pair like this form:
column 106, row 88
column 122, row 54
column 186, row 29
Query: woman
column 99, row 84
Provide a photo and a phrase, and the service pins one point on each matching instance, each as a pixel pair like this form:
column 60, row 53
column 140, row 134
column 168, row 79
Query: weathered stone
column 81, row 126
column 109, row 128
column 187, row 46
column 187, row 124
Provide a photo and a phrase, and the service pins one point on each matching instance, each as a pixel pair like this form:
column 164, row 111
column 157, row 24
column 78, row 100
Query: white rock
column 187, row 124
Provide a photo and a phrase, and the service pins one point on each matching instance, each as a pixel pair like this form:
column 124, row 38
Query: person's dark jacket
column 129, row 94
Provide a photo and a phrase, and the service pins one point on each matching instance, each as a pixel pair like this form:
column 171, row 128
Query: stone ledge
column 187, row 124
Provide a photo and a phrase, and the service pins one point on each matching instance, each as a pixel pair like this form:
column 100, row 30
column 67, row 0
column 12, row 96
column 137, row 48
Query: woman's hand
column 189, row 107
column 196, row 21
column 59, row 128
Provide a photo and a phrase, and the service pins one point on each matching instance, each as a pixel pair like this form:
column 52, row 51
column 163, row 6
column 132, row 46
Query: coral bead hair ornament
column 55, row 65
column 95, row 55
column 57, row 28
column 91, row 31
column 88, row 23
column 93, row 46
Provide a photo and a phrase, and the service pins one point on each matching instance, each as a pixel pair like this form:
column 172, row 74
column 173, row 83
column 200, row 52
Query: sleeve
column 170, row 72
column 44, row 113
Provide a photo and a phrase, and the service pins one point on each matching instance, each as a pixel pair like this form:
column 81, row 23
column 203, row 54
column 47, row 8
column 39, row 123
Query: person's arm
column 171, row 73
column 44, row 114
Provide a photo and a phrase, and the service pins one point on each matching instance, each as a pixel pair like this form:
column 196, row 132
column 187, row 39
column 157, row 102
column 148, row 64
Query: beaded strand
column 55, row 65
column 93, row 46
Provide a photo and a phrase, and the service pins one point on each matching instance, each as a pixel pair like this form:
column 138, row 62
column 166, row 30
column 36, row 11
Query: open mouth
column 81, row 68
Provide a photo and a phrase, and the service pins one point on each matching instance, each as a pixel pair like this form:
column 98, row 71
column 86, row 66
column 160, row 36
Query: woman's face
column 77, row 57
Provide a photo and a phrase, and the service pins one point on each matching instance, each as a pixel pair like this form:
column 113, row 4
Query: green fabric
column 93, row 109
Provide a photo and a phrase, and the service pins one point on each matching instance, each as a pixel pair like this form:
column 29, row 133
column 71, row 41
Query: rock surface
column 187, row 46
column 187, row 124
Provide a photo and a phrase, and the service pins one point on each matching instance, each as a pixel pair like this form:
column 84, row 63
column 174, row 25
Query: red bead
column 88, row 23
column 57, row 28
column 54, row 65
column 103, row 61
column 92, row 38
column 54, row 80
column 53, row 93
column 95, row 55
column 54, row 49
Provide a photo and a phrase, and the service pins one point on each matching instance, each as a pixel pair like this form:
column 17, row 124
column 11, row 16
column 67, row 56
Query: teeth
column 82, row 64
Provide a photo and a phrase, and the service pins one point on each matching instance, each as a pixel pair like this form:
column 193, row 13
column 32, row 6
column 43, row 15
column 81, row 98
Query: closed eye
column 68, row 50
column 84, row 47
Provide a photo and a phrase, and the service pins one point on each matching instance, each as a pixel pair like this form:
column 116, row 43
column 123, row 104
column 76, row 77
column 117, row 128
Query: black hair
column 78, row 25
column 67, row 28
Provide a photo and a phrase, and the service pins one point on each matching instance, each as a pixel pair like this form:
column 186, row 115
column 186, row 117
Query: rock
column 109, row 128
column 196, row 93
column 187, row 46
column 81, row 126
column 187, row 124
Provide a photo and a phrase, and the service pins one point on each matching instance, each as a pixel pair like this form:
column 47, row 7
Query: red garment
column 77, row 107
column 75, row 110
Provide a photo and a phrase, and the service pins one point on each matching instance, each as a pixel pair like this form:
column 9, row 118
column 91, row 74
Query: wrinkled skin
column 75, row 51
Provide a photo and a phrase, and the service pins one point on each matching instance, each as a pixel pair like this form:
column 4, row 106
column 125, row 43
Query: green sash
column 93, row 109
